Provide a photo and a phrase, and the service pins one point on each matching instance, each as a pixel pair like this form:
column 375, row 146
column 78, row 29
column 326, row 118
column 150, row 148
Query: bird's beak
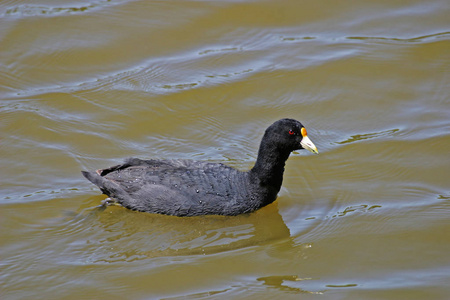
column 308, row 145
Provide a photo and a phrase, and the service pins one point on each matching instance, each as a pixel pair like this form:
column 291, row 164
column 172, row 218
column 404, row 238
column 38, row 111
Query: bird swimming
column 182, row 187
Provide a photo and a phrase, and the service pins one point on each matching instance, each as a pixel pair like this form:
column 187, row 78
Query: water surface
column 84, row 85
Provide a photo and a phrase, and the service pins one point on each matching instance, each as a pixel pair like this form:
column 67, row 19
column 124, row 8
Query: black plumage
column 189, row 188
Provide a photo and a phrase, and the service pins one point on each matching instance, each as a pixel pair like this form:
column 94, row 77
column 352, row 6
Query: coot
column 190, row 188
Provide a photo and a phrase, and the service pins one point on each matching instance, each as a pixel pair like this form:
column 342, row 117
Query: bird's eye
column 291, row 132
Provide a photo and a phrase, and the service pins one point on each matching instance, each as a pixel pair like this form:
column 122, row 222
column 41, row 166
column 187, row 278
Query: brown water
column 84, row 84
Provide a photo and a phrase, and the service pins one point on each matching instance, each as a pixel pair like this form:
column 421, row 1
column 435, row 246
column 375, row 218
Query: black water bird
column 190, row 188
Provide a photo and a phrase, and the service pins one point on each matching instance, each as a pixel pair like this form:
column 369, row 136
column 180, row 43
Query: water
column 85, row 84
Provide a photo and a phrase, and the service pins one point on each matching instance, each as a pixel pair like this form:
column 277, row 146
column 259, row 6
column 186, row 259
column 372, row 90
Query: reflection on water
column 86, row 85
column 281, row 283
column 174, row 236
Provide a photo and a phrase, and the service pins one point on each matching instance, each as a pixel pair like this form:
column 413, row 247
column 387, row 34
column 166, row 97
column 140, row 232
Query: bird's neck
column 269, row 166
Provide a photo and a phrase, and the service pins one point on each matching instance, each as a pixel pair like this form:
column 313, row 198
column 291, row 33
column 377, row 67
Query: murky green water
column 85, row 84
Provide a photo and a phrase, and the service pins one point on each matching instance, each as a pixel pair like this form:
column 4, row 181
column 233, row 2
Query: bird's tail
column 108, row 187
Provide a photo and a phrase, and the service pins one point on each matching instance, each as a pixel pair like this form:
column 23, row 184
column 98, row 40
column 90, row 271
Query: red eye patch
column 291, row 132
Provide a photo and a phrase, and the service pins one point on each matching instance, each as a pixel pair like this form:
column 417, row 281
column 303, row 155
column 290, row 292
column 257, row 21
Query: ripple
column 179, row 86
column 292, row 39
column 215, row 51
column 420, row 39
column 230, row 74
column 342, row 285
column 282, row 283
column 40, row 10
column 360, row 137
column 363, row 208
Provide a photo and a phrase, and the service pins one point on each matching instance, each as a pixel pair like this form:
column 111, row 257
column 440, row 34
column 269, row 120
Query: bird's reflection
column 137, row 235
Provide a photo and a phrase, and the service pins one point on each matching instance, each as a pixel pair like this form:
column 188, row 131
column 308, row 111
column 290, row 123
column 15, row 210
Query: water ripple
column 360, row 137
column 40, row 10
